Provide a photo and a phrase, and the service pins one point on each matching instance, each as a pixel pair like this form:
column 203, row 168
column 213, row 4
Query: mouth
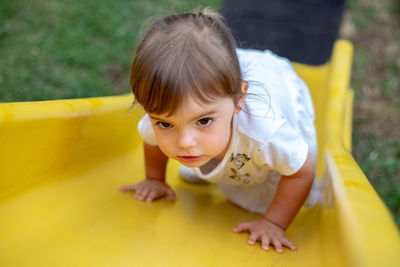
column 189, row 159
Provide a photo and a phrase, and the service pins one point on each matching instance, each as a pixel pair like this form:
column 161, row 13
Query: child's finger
column 265, row 241
column 286, row 242
column 129, row 187
column 171, row 194
column 141, row 194
column 241, row 227
column 151, row 196
column 252, row 239
column 145, row 192
column 138, row 195
column 277, row 245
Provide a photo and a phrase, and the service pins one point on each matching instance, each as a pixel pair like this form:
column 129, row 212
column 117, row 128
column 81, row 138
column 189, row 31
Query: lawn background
column 84, row 48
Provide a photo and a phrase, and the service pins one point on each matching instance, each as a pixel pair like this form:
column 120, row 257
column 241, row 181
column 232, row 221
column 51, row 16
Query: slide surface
column 62, row 162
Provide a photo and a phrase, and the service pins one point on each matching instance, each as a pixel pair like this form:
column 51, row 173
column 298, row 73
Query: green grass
column 376, row 81
column 72, row 48
column 379, row 159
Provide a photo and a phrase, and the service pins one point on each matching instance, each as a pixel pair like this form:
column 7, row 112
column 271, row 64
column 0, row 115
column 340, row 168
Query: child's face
column 196, row 132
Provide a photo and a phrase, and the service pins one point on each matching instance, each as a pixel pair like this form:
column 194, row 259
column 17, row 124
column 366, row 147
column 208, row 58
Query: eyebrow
column 195, row 118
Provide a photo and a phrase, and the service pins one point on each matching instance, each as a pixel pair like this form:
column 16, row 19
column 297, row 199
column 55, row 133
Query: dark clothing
column 300, row 30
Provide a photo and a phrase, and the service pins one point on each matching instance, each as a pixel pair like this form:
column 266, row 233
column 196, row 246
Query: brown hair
column 190, row 54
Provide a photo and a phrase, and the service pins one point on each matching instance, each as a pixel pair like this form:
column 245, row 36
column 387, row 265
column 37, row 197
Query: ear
column 239, row 101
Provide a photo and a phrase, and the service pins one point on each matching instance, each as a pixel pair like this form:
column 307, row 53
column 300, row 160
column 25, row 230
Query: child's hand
column 149, row 190
column 267, row 233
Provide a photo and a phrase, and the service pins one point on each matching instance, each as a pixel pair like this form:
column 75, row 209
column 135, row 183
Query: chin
column 193, row 164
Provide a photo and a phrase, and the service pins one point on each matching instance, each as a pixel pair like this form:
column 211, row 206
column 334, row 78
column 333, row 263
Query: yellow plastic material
column 62, row 162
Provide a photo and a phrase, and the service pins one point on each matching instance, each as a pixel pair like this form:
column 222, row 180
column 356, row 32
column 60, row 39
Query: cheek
column 165, row 144
column 219, row 138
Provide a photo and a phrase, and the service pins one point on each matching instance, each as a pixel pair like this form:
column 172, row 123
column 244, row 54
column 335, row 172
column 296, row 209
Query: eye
column 164, row 125
column 204, row 121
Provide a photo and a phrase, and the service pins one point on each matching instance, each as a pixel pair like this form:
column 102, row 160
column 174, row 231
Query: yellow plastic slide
column 62, row 162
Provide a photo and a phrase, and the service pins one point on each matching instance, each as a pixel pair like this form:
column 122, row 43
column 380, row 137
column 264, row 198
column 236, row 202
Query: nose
column 187, row 140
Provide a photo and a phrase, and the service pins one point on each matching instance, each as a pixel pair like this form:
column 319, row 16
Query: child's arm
column 290, row 196
column 291, row 193
column 154, row 186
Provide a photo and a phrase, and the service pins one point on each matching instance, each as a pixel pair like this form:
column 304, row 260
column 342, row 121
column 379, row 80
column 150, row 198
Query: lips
column 189, row 158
